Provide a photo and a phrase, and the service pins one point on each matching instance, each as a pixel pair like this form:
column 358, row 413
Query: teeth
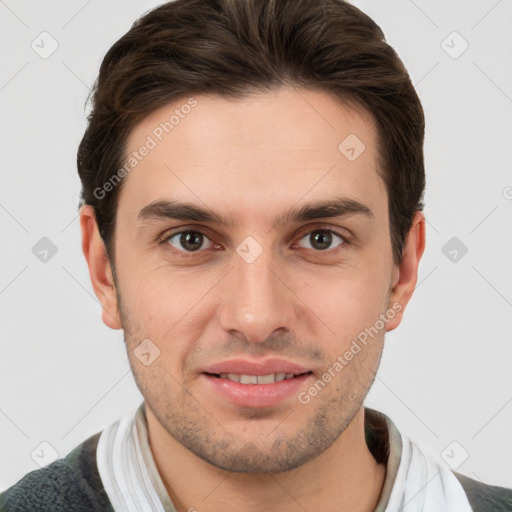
column 248, row 379
column 256, row 379
column 265, row 379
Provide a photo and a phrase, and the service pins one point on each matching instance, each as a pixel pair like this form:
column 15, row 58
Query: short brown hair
column 232, row 48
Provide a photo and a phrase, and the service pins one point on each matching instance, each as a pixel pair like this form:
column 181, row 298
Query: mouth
column 249, row 385
column 269, row 378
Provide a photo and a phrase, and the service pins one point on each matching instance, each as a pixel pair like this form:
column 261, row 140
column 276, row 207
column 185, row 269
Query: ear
column 99, row 267
column 405, row 274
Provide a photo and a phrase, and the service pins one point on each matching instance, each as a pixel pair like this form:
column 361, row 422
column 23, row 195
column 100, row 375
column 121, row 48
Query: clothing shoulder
column 485, row 498
column 71, row 484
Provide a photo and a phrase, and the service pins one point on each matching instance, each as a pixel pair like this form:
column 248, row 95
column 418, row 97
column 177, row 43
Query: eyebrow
column 337, row 207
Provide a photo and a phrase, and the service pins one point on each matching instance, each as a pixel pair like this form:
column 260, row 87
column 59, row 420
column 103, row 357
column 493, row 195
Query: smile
column 256, row 379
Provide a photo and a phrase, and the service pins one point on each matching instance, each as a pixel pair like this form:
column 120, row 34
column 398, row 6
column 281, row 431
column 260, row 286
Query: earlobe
column 100, row 270
column 406, row 273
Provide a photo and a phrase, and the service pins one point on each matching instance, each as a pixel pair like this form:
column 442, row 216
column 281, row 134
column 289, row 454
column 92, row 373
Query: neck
column 345, row 477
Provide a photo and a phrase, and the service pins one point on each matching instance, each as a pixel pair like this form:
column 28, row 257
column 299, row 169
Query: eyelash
column 164, row 239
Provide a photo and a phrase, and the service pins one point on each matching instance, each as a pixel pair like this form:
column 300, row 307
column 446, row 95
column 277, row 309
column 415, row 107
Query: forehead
column 282, row 145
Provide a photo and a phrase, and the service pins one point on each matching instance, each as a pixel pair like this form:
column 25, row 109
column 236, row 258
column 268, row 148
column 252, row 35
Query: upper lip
column 254, row 367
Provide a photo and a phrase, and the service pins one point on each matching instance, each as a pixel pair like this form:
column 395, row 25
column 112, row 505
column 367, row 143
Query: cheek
column 350, row 312
column 166, row 306
column 145, row 301
column 351, row 304
column 349, row 295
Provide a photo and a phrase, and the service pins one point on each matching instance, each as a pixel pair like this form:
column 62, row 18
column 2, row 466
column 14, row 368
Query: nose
column 258, row 298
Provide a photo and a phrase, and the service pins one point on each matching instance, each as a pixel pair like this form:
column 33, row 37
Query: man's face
column 254, row 297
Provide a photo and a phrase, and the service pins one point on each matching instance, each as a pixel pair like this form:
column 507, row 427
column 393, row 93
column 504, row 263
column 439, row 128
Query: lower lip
column 256, row 395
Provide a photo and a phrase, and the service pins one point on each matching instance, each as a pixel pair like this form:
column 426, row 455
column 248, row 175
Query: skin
column 252, row 159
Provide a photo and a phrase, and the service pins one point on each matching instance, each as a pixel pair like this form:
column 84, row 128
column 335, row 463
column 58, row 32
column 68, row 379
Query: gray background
column 445, row 376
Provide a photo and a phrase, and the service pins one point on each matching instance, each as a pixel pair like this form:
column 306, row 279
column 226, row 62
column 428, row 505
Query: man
column 252, row 178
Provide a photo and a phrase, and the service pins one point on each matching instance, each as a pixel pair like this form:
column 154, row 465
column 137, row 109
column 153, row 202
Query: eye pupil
column 191, row 241
column 321, row 239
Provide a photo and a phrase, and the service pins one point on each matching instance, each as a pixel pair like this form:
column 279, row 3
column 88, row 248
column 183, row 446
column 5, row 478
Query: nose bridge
column 258, row 301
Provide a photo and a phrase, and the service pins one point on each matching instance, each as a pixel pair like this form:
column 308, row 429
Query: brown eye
column 322, row 239
column 187, row 241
